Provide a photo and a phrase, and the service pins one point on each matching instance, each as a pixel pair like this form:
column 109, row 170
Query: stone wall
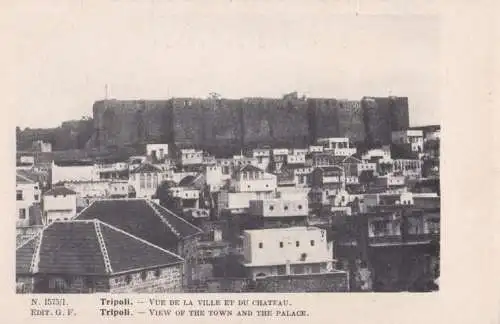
column 161, row 280
column 382, row 115
column 237, row 123
column 329, row 282
column 132, row 122
column 269, row 121
column 69, row 284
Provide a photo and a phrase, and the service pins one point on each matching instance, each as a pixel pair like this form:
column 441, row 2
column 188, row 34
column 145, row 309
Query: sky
column 61, row 54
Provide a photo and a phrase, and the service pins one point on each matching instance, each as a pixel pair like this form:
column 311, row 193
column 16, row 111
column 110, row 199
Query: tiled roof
column 142, row 218
column 186, row 181
column 59, row 191
column 81, row 247
column 250, row 168
column 146, row 168
column 35, row 176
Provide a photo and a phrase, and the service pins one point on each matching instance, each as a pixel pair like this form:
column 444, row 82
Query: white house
column 287, row 251
column 297, row 156
column 408, row 167
column 27, row 194
column 59, row 203
column 316, row 149
column 73, row 171
column 190, row 156
column 279, row 207
column 339, row 146
column 252, row 179
column 239, row 202
column 214, row 177
column 145, row 180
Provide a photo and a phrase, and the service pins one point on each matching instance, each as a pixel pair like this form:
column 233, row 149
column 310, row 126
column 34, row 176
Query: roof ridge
column 173, row 214
column 102, row 246
column 81, row 212
column 35, row 260
column 163, row 219
column 25, row 178
column 138, row 238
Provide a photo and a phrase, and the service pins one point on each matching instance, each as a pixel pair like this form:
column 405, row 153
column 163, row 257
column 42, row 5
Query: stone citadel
column 248, row 122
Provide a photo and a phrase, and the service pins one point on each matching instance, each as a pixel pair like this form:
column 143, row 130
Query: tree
column 163, row 194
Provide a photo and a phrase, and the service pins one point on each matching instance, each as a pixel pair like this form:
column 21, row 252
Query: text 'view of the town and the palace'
column 202, row 195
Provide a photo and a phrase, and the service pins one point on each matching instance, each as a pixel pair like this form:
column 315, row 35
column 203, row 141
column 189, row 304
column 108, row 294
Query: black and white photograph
column 165, row 149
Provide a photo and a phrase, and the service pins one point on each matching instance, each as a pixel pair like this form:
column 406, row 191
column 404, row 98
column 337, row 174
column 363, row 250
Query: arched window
column 148, row 180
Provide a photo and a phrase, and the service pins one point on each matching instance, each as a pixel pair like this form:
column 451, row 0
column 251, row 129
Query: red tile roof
column 142, row 218
column 89, row 247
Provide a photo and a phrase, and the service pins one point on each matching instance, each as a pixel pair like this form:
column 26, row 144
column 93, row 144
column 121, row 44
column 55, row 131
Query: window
column 297, row 243
column 37, row 197
column 157, row 273
column 128, row 279
column 261, row 245
column 298, row 269
column 312, row 242
column 286, row 208
column 142, row 179
column 271, row 207
column 281, row 244
column 148, row 180
column 22, row 213
column 281, row 270
column 19, row 195
column 299, row 207
column 144, row 275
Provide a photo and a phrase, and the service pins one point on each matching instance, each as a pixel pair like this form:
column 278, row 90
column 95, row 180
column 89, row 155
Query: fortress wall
column 234, row 123
column 269, row 121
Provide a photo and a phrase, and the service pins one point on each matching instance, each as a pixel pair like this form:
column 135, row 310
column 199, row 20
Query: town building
column 59, row 203
column 413, row 138
column 278, row 158
column 287, row 251
column 158, row 152
column 151, row 222
column 25, row 162
column 408, row 167
column 28, row 195
column 279, row 212
column 90, row 256
column 338, row 146
column 145, row 180
column 41, row 146
column 263, row 157
column 190, row 157
column 109, row 169
column 296, row 156
column 79, row 170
